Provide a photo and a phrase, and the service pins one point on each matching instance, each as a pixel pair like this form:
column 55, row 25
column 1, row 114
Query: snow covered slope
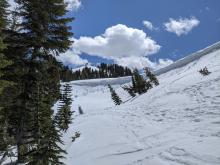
column 175, row 123
column 189, row 58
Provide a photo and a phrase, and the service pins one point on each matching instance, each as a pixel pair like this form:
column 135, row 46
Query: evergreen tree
column 3, row 61
column 133, row 83
column 3, row 64
column 148, row 85
column 64, row 114
column 130, row 90
column 139, row 82
column 5, row 139
column 139, row 85
column 80, row 110
column 151, row 76
column 117, row 100
column 42, row 32
column 46, row 32
column 204, row 71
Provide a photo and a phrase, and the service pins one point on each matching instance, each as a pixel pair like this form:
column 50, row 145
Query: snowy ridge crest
column 192, row 57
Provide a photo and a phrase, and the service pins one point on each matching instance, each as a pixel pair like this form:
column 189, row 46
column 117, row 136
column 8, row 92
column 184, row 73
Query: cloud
column 135, row 62
column 125, row 45
column 118, row 41
column 181, row 26
column 71, row 58
column 73, row 5
column 149, row 25
column 142, row 62
column 163, row 63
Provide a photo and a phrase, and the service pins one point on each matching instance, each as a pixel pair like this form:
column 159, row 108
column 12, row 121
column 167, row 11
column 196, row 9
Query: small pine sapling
column 77, row 135
column 204, row 71
column 117, row 100
column 80, row 110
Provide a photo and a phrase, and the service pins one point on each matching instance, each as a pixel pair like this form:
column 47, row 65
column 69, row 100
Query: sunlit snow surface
column 175, row 123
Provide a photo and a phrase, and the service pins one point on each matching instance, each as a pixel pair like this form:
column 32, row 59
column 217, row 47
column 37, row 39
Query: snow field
column 175, row 123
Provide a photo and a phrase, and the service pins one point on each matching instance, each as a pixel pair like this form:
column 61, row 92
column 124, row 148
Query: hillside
column 175, row 123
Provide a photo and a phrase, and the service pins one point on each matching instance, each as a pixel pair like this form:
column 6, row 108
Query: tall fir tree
column 5, row 139
column 42, row 33
column 117, row 100
column 3, row 61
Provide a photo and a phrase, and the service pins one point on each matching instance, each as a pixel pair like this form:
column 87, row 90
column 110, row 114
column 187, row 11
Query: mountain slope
column 177, row 122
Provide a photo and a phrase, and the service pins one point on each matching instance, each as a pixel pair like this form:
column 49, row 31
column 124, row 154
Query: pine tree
column 204, row 71
column 80, row 110
column 133, row 83
column 117, row 100
column 130, row 90
column 64, row 114
column 46, row 32
column 3, row 61
column 139, row 82
column 5, row 139
column 151, row 76
column 42, row 33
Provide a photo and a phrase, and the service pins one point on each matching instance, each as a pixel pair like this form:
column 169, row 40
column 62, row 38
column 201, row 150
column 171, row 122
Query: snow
column 189, row 58
column 175, row 123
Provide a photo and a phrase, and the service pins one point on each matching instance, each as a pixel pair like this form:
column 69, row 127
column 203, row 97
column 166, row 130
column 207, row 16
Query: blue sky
column 178, row 27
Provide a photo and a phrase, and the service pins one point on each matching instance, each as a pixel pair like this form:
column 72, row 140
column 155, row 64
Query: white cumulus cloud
column 142, row 62
column 149, row 25
column 71, row 58
column 162, row 63
column 181, row 26
column 125, row 45
column 118, row 41
column 73, row 5
column 135, row 62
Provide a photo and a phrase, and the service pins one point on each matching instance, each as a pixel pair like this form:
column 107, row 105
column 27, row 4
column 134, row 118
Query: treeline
column 103, row 71
column 38, row 31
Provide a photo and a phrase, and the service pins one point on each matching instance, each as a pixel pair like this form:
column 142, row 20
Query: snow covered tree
column 117, row 100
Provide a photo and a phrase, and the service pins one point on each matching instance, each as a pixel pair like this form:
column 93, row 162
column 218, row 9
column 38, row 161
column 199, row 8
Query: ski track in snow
column 175, row 123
